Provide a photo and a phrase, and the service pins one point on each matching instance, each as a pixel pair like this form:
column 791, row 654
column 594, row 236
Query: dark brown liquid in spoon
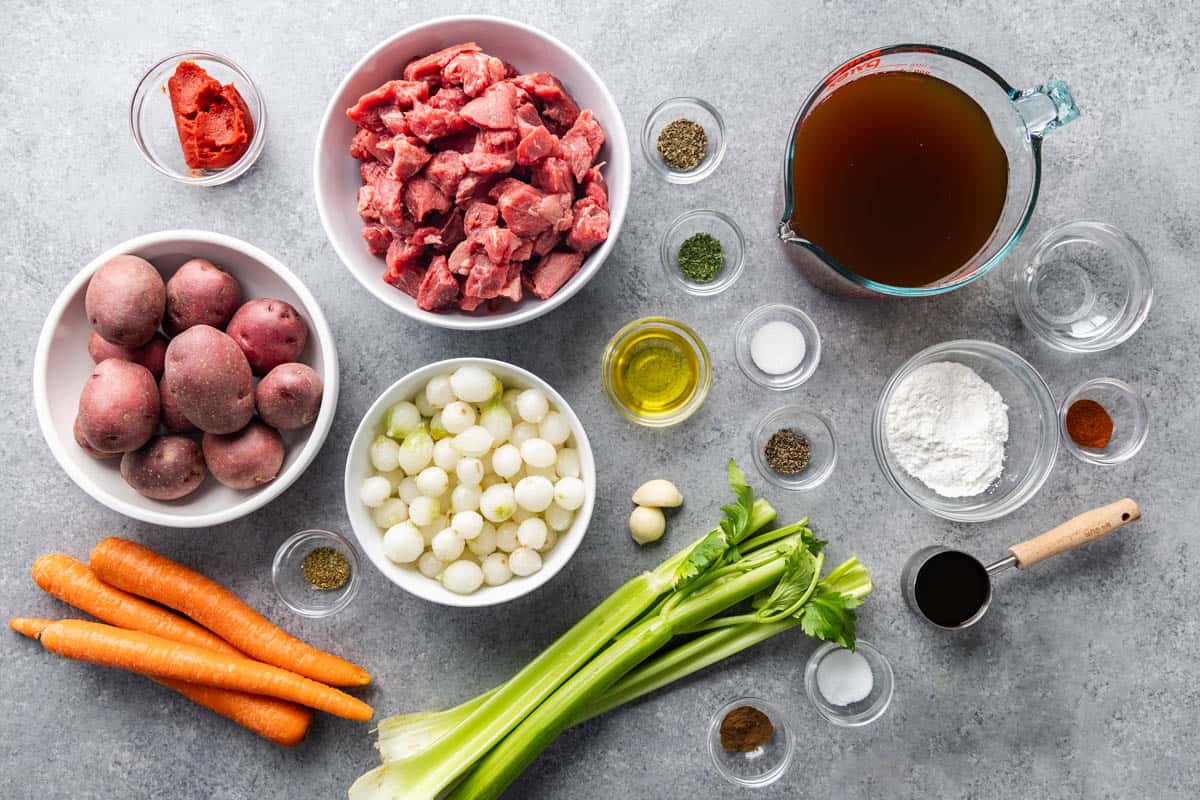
column 951, row 587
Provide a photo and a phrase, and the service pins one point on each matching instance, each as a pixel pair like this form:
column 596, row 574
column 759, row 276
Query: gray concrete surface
column 1081, row 683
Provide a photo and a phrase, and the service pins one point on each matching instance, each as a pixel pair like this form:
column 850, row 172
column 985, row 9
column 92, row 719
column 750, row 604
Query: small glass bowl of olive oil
column 656, row 372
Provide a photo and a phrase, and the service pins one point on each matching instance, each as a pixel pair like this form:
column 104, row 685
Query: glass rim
column 886, row 288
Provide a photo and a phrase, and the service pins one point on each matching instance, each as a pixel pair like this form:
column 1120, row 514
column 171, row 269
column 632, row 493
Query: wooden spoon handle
column 1076, row 532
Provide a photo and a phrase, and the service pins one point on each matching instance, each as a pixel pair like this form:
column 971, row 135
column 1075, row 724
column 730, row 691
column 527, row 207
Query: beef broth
column 899, row 177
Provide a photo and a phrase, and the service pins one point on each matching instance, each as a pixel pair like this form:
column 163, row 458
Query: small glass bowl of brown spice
column 794, row 448
column 684, row 139
column 750, row 742
column 1104, row 421
column 315, row 573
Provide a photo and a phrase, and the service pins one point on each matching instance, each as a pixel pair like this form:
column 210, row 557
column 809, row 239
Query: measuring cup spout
column 1046, row 108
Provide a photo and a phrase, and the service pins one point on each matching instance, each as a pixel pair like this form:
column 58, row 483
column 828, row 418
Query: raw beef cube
column 377, row 236
column 595, row 187
column 499, row 244
column 366, row 203
column 438, row 289
column 469, row 303
column 480, row 216
column 552, row 272
column 487, row 277
column 553, row 176
column 430, row 66
column 512, row 289
column 590, row 226
column 362, row 146
column 503, row 186
column 473, row 71
column 471, row 188
column 421, row 197
column 494, row 108
column 539, row 144
column 451, row 232
column 409, row 156
column 547, row 242
column 405, row 266
column 460, row 260
column 449, row 98
column 401, row 227
column 489, row 163
column 386, row 190
column 446, row 169
column 396, row 94
column 528, row 119
column 521, row 207
column 393, row 119
column 426, row 236
column 582, row 144
column 555, row 103
column 524, row 250
column 557, row 207
column 427, row 122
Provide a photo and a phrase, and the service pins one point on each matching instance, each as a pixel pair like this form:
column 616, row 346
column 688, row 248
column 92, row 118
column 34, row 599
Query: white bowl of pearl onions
column 470, row 482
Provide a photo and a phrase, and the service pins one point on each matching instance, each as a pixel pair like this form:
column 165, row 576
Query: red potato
column 270, row 333
column 289, row 396
column 119, row 406
column 210, row 380
column 246, row 459
column 125, row 300
column 200, row 293
column 172, row 418
column 166, row 468
column 150, row 355
column 86, row 446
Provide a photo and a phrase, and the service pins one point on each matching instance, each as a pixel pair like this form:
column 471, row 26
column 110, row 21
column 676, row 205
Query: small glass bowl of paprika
column 221, row 126
column 1104, row 421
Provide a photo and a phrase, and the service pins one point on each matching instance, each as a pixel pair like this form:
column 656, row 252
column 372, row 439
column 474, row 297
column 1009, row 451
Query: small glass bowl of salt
column 777, row 346
column 849, row 688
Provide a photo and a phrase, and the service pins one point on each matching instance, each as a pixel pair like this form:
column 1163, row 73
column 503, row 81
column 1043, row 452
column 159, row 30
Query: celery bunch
column 627, row 647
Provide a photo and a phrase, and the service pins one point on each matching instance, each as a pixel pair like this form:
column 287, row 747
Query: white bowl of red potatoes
column 185, row 378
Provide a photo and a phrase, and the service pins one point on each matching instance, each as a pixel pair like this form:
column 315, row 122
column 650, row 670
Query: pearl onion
column 538, row 453
column 444, row 454
column 522, row 433
column 475, row 441
column 474, row 384
column 532, row 405
column 496, row 503
column 568, row 465
column 506, row 461
column 495, row 569
column 469, row 471
column 429, row 565
column 509, row 399
column 390, row 512
column 433, row 481
column 462, row 577
column 506, row 537
column 568, row 493
column 384, row 453
column 534, row 493
column 403, row 543
column 423, row 509
column 554, row 428
column 558, row 518
column 438, row 391
column 465, row 498
column 468, row 524
column 374, row 491
column 447, row 545
column 457, row 417
column 407, row 490
column 524, row 561
column 485, row 543
column 532, row 533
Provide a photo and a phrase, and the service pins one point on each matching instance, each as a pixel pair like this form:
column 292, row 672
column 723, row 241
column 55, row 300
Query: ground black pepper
column 326, row 568
column 787, row 452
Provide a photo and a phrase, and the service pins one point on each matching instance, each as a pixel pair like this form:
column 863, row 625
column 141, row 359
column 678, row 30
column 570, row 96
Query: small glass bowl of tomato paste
column 152, row 121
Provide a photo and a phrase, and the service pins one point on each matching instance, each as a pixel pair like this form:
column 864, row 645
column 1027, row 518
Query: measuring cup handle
column 1046, row 108
column 1076, row 532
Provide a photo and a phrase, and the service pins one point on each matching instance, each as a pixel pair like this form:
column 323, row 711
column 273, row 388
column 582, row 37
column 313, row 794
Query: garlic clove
column 647, row 524
column 658, row 493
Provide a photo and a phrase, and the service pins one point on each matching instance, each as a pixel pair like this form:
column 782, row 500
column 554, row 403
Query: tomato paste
column 214, row 123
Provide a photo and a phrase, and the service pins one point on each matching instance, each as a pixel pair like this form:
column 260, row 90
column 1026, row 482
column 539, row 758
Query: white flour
column 947, row 427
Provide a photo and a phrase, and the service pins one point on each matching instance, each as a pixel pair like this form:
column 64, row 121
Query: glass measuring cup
column 1019, row 118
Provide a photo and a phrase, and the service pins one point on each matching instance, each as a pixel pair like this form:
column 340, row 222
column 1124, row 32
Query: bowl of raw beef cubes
column 472, row 172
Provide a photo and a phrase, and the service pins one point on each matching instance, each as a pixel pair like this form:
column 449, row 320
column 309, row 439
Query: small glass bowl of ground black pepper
column 684, row 139
column 1104, row 421
column 703, row 252
column 316, row 573
column 750, row 742
column 794, row 448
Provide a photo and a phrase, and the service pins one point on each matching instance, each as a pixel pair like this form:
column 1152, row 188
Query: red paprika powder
column 1088, row 424
column 214, row 123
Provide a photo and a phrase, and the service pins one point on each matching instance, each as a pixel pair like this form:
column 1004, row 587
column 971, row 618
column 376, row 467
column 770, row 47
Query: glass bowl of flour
column 967, row 430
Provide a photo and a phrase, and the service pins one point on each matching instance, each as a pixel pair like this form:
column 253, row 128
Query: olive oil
column 655, row 371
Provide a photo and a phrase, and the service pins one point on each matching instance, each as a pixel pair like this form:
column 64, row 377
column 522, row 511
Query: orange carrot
column 276, row 720
column 140, row 570
column 135, row 651
column 74, row 583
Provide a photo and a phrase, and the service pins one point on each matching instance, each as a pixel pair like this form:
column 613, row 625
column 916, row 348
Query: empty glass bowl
column 689, row 108
column 822, row 447
column 152, row 120
column 295, row 590
column 764, row 315
column 715, row 224
column 864, row 711
column 1085, row 288
column 1032, row 432
column 1131, row 420
column 760, row 767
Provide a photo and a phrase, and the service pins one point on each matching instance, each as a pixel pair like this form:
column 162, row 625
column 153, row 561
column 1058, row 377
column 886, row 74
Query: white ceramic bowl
column 62, row 364
column 336, row 177
column 370, row 537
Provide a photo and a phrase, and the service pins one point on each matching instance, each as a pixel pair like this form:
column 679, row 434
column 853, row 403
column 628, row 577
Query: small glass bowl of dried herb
column 751, row 742
column 315, row 573
column 703, row 251
column 684, row 139
column 1104, row 421
column 795, row 448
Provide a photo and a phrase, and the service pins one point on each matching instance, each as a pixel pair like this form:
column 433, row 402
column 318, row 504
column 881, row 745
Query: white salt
column 777, row 347
column 844, row 677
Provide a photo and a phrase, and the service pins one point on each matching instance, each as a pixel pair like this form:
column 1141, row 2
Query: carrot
column 135, row 651
column 276, row 720
column 74, row 583
column 140, row 570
